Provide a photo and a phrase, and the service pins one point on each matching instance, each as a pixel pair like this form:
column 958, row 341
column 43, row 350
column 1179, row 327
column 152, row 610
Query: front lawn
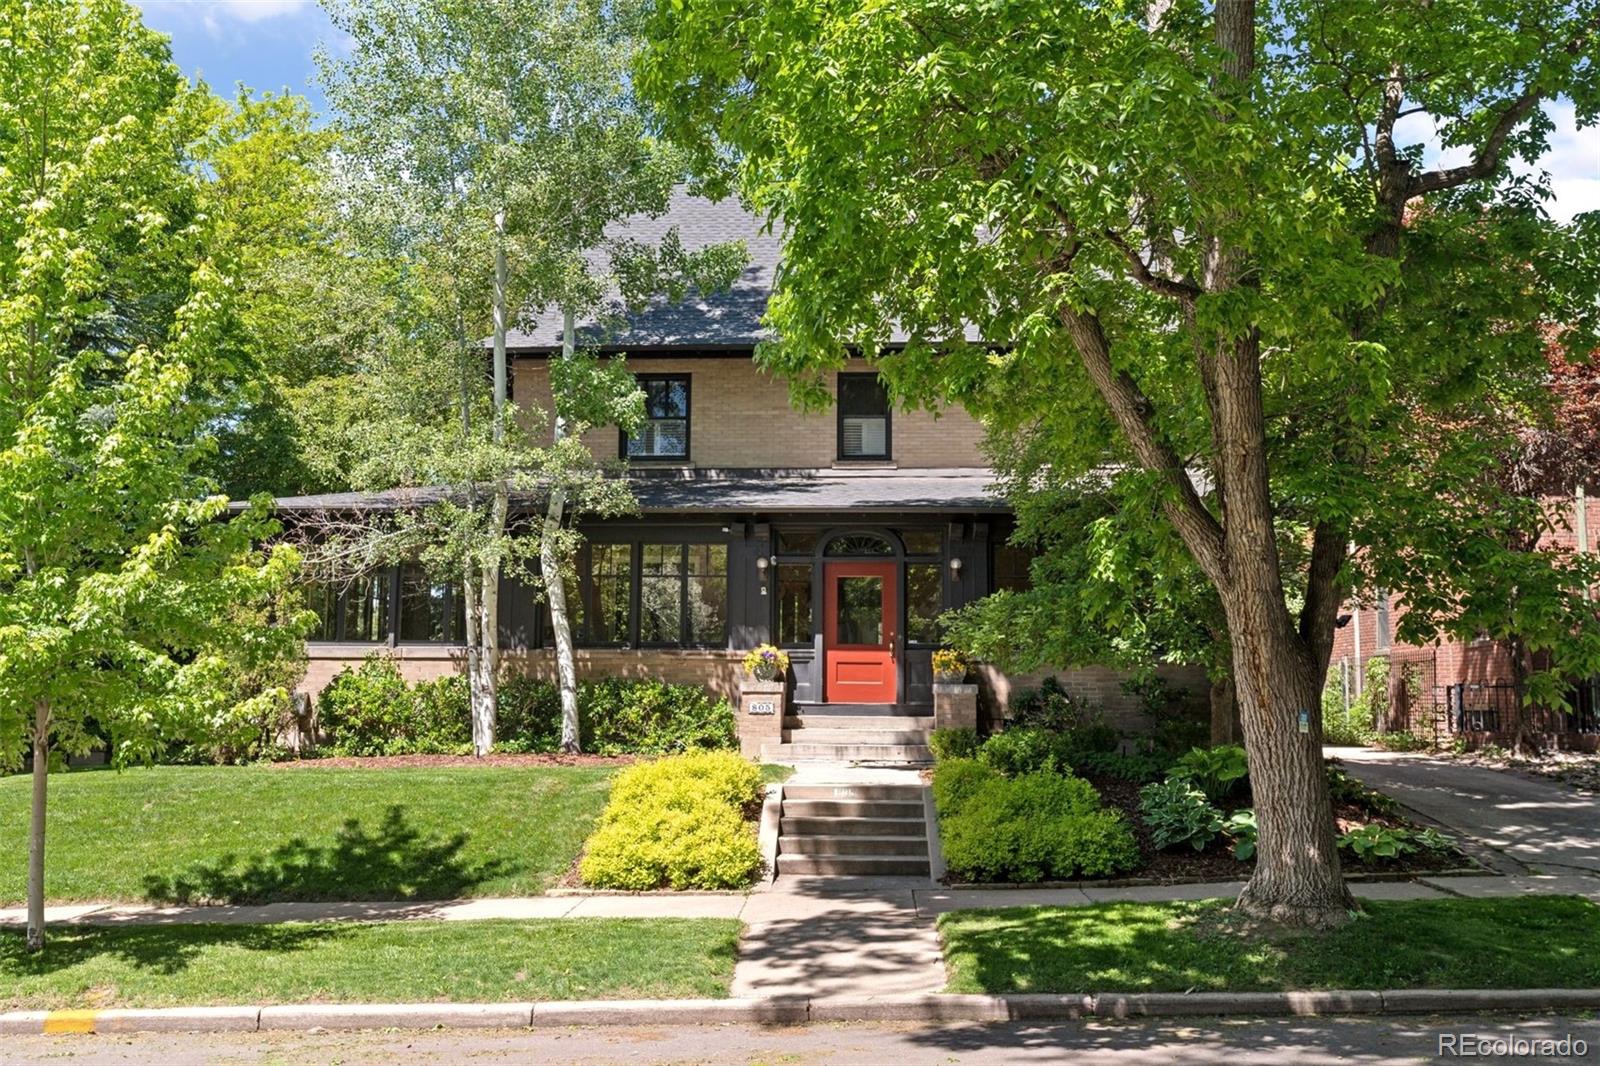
column 187, row 965
column 259, row 833
column 1524, row 942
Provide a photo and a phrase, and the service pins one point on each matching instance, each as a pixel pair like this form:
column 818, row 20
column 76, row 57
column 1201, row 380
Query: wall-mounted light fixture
column 955, row 567
column 762, row 562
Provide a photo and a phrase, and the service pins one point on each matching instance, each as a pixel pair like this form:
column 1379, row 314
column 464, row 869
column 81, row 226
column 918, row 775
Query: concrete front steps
column 854, row 830
column 887, row 739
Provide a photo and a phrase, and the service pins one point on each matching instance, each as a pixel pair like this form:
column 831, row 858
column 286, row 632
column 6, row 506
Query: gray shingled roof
column 730, row 319
column 726, row 319
column 719, row 491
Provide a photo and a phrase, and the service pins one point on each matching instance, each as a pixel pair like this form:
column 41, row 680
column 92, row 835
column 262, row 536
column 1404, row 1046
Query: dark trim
column 741, row 350
column 688, row 423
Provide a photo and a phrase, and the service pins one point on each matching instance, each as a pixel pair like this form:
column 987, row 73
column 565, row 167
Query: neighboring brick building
column 840, row 535
column 1461, row 687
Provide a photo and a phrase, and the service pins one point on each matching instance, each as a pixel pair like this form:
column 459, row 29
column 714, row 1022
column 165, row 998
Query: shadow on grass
column 166, row 949
column 396, row 861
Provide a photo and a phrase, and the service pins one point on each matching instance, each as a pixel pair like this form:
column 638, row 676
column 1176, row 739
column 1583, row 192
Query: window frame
column 888, row 419
column 688, row 422
column 635, row 548
column 391, row 576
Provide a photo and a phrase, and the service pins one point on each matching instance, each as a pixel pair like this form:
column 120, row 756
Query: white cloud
column 1572, row 161
column 220, row 16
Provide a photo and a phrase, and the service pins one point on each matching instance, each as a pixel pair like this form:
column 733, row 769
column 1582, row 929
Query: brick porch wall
column 719, row 672
column 739, row 417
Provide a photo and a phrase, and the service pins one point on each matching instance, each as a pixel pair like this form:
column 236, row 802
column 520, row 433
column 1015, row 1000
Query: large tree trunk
column 41, row 777
column 1298, row 879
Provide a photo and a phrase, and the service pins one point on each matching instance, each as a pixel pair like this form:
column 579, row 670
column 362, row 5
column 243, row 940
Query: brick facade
column 740, row 417
column 1448, row 662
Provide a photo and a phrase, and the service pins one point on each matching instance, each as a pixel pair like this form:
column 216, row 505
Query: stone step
column 897, row 793
column 860, row 865
column 817, row 735
column 903, row 723
column 831, row 808
column 886, row 827
column 896, row 753
column 916, row 846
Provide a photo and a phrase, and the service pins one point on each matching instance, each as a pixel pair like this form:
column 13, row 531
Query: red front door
column 859, row 608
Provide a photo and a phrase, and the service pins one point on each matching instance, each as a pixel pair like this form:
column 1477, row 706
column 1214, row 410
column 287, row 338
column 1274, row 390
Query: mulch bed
column 394, row 762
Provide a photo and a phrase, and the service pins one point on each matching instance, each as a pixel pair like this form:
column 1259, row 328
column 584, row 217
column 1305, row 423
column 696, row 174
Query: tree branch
column 1156, row 283
column 1487, row 157
column 1135, row 414
column 1320, row 612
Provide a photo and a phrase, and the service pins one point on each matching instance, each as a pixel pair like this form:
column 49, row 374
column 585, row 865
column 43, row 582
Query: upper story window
column 664, row 434
column 863, row 417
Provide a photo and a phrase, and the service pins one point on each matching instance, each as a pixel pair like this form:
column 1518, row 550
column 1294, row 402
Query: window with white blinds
column 863, row 417
column 664, row 434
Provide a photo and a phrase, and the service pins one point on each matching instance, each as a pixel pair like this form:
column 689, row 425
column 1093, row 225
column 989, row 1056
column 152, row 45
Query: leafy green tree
column 486, row 146
column 129, row 602
column 1203, row 239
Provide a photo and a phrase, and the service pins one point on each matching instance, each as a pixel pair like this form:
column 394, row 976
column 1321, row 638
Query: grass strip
column 1518, row 942
column 389, row 962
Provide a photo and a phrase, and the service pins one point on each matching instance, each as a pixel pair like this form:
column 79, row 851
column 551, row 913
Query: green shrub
column 1351, row 727
column 1018, row 751
column 678, row 822
column 1219, row 772
column 1051, row 708
column 1178, row 813
column 1139, row 768
column 953, row 744
column 1035, row 827
column 1241, row 829
column 369, row 710
column 956, row 780
column 1344, row 789
column 1401, row 740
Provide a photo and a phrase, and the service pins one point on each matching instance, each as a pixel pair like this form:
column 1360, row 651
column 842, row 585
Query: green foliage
column 1220, row 772
column 1345, row 789
column 956, row 780
column 131, row 603
column 1052, row 707
column 1036, row 827
column 369, row 710
column 1021, row 750
column 953, row 744
column 1338, row 727
column 1240, row 828
column 678, row 822
column 1401, row 740
column 1178, row 813
column 1375, row 843
column 1138, row 768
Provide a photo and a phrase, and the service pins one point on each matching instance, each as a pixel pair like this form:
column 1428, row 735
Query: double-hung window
column 863, row 417
column 664, row 434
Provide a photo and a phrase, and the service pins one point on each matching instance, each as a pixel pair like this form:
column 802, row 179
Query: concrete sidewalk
column 1538, row 825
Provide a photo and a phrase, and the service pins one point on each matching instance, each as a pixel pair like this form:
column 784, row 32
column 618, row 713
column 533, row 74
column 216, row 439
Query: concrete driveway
column 1539, row 824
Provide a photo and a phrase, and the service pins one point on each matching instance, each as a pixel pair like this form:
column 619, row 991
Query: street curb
column 796, row 1010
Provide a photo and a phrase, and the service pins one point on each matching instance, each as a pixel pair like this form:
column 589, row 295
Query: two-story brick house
column 839, row 536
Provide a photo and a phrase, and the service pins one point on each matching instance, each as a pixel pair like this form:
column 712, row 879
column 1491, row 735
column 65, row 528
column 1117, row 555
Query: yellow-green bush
column 678, row 822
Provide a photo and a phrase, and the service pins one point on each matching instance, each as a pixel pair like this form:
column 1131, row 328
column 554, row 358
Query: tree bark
column 1224, row 712
column 36, row 821
column 550, row 567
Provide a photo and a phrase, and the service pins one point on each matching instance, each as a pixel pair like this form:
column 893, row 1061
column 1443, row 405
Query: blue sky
column 267, row 44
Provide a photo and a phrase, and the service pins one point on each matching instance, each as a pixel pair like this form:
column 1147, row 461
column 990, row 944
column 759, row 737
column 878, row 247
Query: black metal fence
column 1491, row 707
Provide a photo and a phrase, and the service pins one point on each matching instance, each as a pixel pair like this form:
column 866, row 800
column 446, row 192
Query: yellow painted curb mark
column 70, row 1021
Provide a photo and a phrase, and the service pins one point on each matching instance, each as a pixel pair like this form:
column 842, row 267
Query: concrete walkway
column 1540, row 826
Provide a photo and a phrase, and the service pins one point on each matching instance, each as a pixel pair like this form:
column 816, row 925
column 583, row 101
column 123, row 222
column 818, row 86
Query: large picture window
column 364, row 610
column 664, row 433
column 863, row 417
column 681, row 591
column 431, row 609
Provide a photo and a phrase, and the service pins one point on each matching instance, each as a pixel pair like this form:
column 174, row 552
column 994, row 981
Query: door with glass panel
column 859, row 609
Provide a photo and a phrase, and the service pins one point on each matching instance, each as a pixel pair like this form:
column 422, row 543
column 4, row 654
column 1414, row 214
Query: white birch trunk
column 550, row 566
column 41, row 776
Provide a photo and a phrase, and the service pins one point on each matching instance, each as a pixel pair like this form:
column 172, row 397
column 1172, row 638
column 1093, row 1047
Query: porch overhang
column 688, row 492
